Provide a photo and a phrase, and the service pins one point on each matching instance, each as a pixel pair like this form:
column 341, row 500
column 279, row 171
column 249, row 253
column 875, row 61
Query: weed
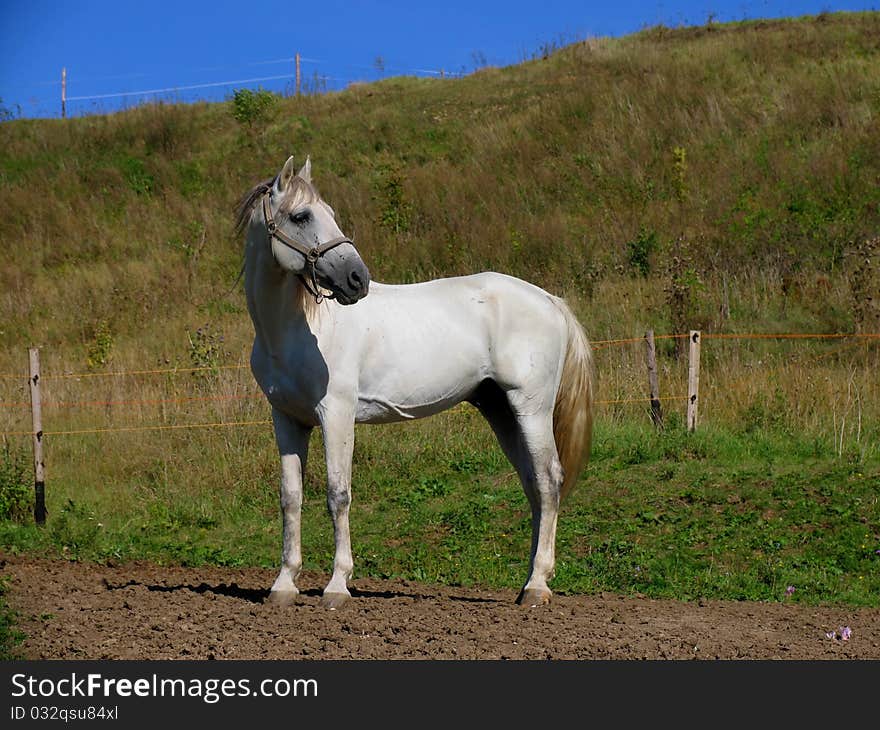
column 639, row 251
column 15, row 488
column 395, row 212
column 135, row 173
column 205, row 350
column 192, row 181
column 100, row 346
column 75, row 531
column 679, row 172
column 425, row 488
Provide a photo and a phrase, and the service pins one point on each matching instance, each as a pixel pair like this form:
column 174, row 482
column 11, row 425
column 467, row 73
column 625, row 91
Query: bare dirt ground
column 142, row 611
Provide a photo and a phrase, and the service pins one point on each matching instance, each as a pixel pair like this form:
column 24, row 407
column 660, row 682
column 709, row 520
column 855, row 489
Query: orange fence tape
column 149, row 402
column 140, row 428
column 597, row 345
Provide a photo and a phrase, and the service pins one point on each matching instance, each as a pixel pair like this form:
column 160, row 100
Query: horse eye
column 301, row 217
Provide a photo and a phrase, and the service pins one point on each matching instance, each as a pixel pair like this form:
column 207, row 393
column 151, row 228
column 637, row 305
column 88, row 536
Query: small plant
column 395, row 212
column 75, row 531
column 639, row 251
column 100, row 346
column 251, row 107
column 426, row 488
column 679, row 172
column 192, row 181
column 15, row 486
column 136, row 175
column 205, row 349
column 191, row 242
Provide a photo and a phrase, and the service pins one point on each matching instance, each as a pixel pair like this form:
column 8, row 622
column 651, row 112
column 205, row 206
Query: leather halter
column 311, row 253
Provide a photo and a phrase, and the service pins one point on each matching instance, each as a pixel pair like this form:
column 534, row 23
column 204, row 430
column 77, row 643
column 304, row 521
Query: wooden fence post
column 653, row 382
column 693, row 379
column 37, row 420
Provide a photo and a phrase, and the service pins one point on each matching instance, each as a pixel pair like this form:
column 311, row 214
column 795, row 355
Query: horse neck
column 277, row 300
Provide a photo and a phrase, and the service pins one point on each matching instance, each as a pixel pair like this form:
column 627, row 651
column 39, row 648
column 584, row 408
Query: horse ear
column 285, row 176
column 306, row 171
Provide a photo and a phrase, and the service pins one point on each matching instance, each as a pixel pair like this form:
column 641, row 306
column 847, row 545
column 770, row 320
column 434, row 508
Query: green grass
column 714, row 514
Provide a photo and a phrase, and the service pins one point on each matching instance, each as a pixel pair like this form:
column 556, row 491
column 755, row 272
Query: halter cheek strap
column 311, row 253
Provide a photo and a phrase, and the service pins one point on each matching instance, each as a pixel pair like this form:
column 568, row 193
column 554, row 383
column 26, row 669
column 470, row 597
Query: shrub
column 250, row 107
column 639, row 251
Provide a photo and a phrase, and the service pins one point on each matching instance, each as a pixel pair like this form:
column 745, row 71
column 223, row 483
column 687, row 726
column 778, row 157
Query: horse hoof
column 282, row 599
column 532, row 597
column 332, row 601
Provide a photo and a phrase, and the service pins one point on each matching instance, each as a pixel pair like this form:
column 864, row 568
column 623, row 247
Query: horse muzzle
column 349, row 280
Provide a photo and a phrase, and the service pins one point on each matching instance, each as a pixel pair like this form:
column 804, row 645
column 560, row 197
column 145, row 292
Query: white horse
column 511, row 349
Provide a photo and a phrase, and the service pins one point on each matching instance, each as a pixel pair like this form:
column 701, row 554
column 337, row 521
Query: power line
column 270, row 62
column 214, row 84
column 177, row 88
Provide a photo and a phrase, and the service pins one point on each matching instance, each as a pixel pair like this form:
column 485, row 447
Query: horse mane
column 298, row 192
column 245, row 205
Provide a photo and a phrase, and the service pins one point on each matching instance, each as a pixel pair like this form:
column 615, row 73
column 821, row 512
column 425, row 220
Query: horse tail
column 573, row 410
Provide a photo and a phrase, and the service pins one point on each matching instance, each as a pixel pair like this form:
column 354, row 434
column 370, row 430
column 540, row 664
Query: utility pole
column 298, row 75
column 63, row 93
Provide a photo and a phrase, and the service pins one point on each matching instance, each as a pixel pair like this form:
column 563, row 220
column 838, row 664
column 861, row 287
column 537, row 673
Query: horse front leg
column 338, row 431
column 293, row 447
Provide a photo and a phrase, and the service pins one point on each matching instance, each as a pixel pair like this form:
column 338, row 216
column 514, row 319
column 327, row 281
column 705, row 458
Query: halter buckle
column 271, row 226
column 312, row 255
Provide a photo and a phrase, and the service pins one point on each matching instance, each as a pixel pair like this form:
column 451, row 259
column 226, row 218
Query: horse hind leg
column 527, row 441
column 542, row 477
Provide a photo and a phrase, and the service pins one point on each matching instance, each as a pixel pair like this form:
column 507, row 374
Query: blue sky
column 126, row 47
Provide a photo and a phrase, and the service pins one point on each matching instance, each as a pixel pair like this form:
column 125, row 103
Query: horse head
column 306, row 240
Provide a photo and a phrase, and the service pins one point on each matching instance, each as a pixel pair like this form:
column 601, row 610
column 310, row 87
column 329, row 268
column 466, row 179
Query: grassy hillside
column 754, row 147
column 724, row 177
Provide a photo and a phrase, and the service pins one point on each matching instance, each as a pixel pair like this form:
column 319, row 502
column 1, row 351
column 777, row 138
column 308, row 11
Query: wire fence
column 113, row 405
